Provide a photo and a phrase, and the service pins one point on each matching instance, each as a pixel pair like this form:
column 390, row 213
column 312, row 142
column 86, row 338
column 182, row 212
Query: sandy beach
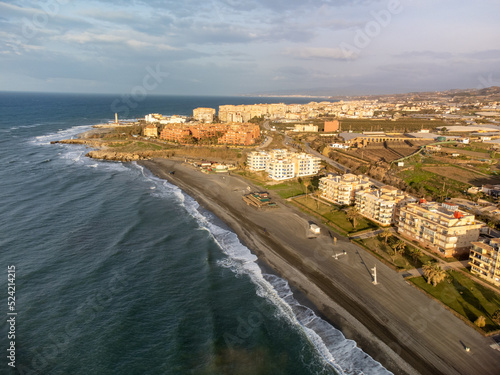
column 398, row 325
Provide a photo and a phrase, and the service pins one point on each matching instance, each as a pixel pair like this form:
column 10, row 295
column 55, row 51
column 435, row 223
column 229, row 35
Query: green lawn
column 465, row 296
column 333, row 214
column 285, row 190
column 385, row 251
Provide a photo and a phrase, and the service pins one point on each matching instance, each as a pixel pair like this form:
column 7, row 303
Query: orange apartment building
column 233, row 134
column 201, row 131
column 175, row 133
column 240, row 135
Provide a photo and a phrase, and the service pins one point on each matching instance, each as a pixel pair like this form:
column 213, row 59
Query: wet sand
column 396, row 324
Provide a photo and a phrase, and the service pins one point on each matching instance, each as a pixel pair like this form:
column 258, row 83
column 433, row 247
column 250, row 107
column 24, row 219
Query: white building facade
column 379, row 205
column 341, row 189
column 282, row 164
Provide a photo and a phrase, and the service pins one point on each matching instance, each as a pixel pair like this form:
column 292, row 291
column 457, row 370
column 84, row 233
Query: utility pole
column 374, row 275
column 336, row 256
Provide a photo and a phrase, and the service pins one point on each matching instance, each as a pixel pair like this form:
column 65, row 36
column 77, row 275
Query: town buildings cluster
column 355, row 109
column 440, row 227
column 282, row 164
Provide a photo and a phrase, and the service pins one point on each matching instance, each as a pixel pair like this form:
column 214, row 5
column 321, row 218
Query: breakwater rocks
column 78, row 141
column 71, row 141
column 117, row 156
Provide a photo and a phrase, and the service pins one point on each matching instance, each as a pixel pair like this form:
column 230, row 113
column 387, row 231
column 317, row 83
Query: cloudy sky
column 228, row 47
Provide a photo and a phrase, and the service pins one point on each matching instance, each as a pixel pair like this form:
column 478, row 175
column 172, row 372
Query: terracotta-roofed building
column 442, row 228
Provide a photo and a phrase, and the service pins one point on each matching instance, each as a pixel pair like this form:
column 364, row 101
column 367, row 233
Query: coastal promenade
column 394, row 322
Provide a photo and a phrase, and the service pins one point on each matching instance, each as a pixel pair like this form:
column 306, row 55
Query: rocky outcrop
column 71, row 141
column 87, row 142
column 116, row 156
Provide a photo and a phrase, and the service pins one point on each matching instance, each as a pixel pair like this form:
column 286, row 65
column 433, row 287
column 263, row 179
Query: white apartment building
column 280, row 169
column 257, row 160
column 156, row 117
column 379, row 205
column 341, row 189
column 281, row 164
column 484, row 260
column 440, row 227
column 305, row 164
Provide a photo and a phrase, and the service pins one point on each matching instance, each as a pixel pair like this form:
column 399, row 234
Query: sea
column 119, row 272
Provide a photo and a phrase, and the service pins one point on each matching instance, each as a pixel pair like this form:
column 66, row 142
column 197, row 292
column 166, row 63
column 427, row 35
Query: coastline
column 389, row 321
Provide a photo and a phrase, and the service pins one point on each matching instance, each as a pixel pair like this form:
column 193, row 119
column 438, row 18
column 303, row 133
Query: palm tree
column 496, row 317
column 385, row 234
column 306, row 185
column 491, row 225
column 428, row 269
column 434, row 273
column 415, row 254
column 353, row 215
column 317, row 194
column 399, row 247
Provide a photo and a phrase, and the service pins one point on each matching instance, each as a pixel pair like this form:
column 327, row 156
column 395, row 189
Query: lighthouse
column 116, row 118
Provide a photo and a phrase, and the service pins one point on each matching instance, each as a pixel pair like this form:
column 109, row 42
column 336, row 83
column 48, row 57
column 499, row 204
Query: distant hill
column 454, row 95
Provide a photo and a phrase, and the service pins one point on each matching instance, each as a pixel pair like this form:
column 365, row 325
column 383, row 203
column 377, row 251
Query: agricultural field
column 458, row 174
column 463, row 151
column 427, row 183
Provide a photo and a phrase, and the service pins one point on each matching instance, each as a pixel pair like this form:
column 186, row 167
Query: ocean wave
column 60, row 134
column 342, row 354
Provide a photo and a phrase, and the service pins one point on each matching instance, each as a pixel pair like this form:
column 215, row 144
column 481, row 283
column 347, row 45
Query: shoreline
column 341, row 291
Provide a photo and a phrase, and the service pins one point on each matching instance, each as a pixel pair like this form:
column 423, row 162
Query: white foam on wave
column 60, row 134
column 341, row 354
column 17, row 127
column 75, row 153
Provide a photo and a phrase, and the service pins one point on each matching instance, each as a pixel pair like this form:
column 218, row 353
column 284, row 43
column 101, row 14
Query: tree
column 399, row 247
column 415, row 254
column 306, row 185
column 480, row 322
column 496, row 317
column 434, row 273
column 353, row 215
column 385, row 234
column 491, row 225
